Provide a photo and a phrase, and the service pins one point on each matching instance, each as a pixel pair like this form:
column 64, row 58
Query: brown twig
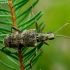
column 15, row 24
column 21, row 59
column 12, row 13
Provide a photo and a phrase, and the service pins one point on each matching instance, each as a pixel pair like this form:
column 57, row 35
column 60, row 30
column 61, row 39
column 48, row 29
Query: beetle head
column 50, row 35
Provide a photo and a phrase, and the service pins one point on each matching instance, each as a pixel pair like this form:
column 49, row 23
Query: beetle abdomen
column 13, row 40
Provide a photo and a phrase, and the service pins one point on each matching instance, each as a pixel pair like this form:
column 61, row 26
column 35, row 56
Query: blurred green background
column 56, row 56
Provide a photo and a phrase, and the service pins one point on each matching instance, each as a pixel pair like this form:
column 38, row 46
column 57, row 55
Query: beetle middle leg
column 15, row 28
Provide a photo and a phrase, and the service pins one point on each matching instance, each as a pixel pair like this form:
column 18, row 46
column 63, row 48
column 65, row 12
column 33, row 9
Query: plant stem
column 15, row 24
column 21, row 59
column 12, row 13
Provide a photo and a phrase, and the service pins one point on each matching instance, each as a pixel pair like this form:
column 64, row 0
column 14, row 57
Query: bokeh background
column 56, row 56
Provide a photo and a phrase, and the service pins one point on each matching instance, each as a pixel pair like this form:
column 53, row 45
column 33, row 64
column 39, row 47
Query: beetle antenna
column 61, row 28
column 63, row 36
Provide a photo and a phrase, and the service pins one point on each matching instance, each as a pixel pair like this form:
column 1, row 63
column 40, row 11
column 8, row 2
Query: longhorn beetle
column 28, row 38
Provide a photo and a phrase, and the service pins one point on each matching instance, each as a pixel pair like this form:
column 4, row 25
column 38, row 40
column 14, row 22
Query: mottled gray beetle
column 28, row 38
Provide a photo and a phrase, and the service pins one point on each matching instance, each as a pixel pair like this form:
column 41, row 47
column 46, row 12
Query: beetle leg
column 45, row 43
column 33, row 58
column 15, row 28
column 42, row 28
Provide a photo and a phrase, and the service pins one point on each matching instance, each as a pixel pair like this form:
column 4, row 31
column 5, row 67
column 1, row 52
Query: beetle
column 25, row 38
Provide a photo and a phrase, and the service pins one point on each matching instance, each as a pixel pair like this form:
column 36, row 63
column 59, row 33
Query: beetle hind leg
column 33, row 58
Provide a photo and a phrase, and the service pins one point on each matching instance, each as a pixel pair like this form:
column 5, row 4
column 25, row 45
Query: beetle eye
column 49, row 32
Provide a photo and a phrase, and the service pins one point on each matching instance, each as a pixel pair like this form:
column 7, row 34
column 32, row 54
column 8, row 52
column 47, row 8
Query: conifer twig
column 12, row 13
column 20, row 59
column 15, row 24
